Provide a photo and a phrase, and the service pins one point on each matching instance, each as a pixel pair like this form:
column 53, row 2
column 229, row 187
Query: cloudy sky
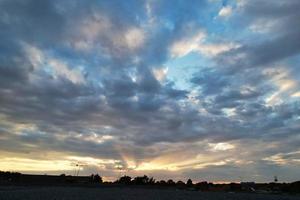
column 208, row 90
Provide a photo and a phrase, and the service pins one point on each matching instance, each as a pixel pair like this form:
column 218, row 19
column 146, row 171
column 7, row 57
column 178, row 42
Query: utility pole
column 275, row 179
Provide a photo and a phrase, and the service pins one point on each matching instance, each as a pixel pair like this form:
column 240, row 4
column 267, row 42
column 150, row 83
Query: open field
column 115, row 193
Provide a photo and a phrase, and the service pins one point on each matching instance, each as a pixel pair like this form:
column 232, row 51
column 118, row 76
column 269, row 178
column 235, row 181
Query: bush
column 170, row 182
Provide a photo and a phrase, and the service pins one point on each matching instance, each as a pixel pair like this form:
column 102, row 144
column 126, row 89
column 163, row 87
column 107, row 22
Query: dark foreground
column 78, row 193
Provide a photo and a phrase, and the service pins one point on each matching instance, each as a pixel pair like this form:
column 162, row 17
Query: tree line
column 15, row 178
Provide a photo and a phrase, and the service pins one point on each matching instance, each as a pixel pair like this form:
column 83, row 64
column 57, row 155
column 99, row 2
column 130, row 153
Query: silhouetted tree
column 141, row 180
column 151, row 181
column 96, row 178
column 189, row 183
column 204, row 186
column 126, row 180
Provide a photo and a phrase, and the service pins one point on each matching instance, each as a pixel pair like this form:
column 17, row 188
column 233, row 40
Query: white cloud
column 101, row 33
column 229, row 111
column 95, row 137
column 197, row 44
column 35, row 55
column 222, row 146
column 296, row 94
column 62, row 69
column 263, row 25
column 134, row 38
column 286, row 85
column 42, row 61
column 284, row 158
column 92, row 28
column 90, row 160
column 187, row 45
column 225, row 11
column 241, row 3
column 160, row 73
column 215, row 49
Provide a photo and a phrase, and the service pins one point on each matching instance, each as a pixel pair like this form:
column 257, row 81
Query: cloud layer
column 99, row 83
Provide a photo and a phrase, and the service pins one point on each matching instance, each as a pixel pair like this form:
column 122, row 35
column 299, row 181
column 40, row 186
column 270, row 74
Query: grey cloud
column 280, row 42
column 211, row 81
column 32, row 21
column 232, row 98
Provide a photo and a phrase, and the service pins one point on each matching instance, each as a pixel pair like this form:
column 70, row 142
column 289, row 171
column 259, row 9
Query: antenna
column 77, row 167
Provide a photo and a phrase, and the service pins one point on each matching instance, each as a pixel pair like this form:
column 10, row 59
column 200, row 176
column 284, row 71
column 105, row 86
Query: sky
column 200, row 89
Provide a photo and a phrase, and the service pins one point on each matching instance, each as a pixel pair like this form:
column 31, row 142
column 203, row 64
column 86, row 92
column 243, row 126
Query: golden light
column 25, row 164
